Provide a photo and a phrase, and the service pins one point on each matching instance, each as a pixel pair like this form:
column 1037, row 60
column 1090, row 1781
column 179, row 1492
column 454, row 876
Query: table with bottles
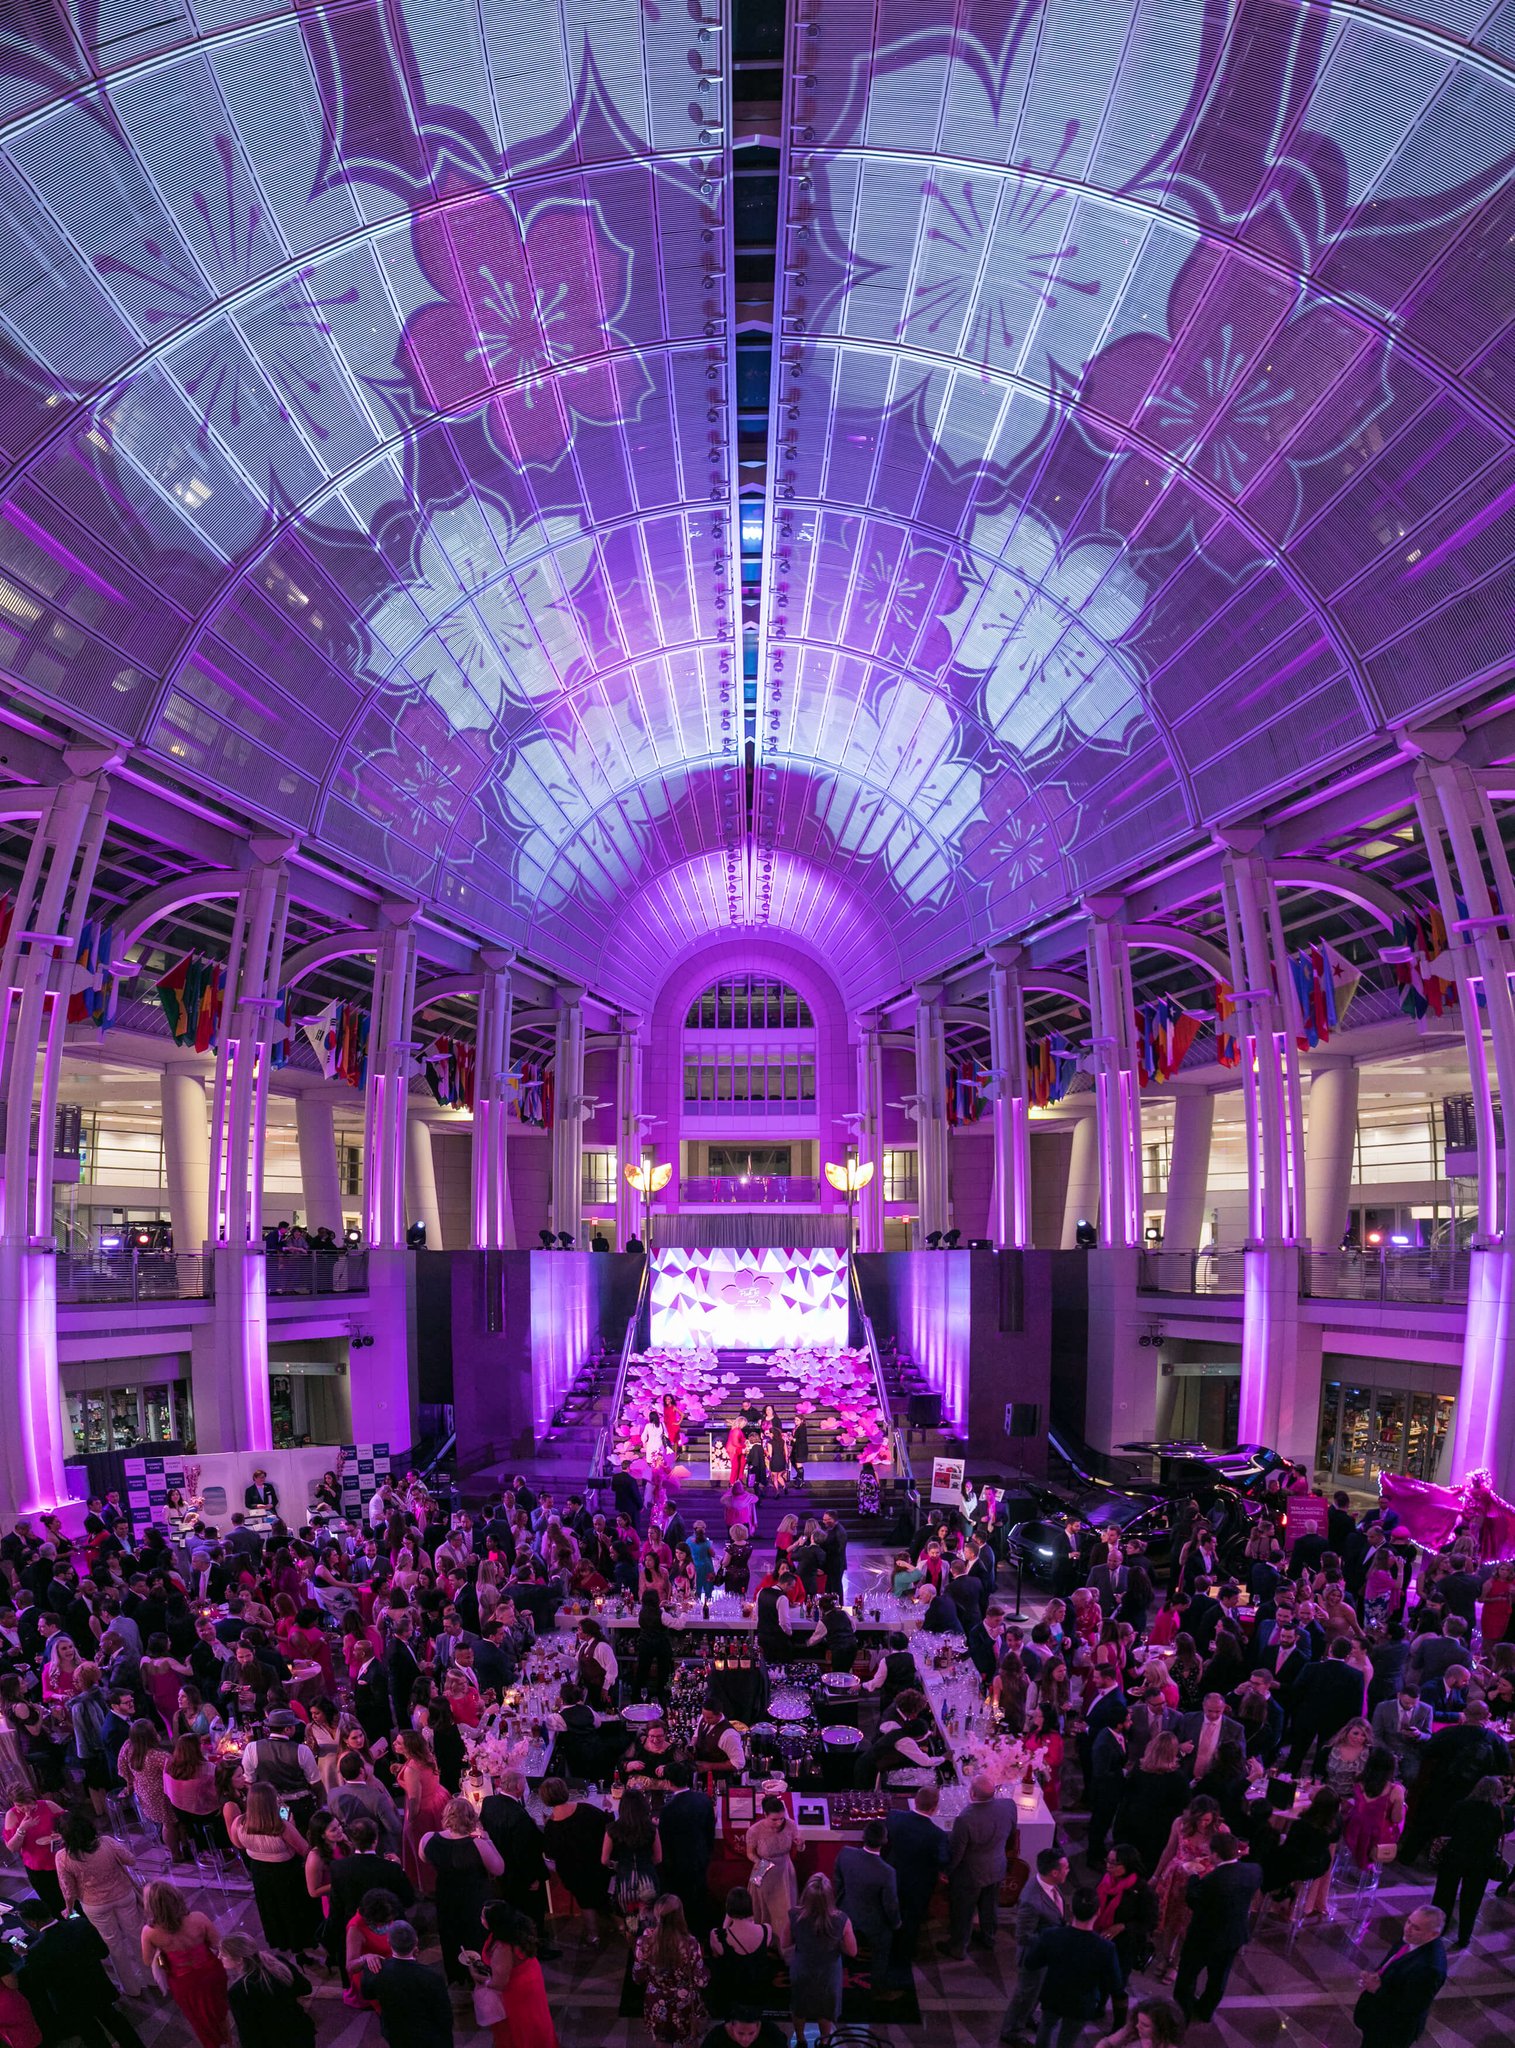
column 972, row 1735
column 873, row 1613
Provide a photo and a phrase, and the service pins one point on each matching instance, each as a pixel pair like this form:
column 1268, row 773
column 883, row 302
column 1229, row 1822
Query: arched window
column 749, row 1002
column 749, row 1049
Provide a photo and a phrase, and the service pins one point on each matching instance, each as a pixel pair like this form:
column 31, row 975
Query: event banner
column 947, row 1482
column 149, row 1482
column 749, row 1300
column 364, row 1468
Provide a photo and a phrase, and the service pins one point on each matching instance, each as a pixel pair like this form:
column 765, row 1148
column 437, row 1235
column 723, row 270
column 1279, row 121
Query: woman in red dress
column 425, row 1797
column 184, row 1948
column 510, row 1968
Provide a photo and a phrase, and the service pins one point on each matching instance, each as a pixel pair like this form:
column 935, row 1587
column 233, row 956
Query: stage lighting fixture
column 1085, row 1236
column 565, row 1240
column 952, row 1239
column 415, row 1238
column 934, row 1239
column 352, row 1237
column 549, row 1242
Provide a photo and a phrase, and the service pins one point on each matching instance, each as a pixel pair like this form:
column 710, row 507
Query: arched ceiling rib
column 1140, row 437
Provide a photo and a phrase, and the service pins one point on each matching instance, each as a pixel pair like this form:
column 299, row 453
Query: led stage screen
column 749, row 1300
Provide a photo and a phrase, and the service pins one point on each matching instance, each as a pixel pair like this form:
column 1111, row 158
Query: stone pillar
column 1461, row 834
column 1278, row 1396
column 567, row 1199
column 320, row 1170
column 1081, row 1202
column 1330, row 1151
column 1010, row 1217
column 1117, row 1079
column 493, row 1226
column 930, row 1112
column 382, row 1376
column 186, row 1156
column 386, row 1099
column 37, row 970
column 422, row 1205
column 870, row 1130
column 1188, row 1171
column 628, row 1124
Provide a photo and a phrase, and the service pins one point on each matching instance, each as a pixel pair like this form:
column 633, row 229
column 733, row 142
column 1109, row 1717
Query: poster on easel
column 947, row 1482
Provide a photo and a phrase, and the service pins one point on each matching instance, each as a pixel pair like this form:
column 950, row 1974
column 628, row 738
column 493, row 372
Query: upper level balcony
column 749, row 1191
column 1379, row 1273
column 142, row 1276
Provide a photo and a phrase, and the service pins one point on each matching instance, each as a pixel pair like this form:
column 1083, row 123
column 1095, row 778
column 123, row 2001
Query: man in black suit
column 415, row 2007
column 372, row 1702
column 365, row 1871
column 1395, row 2000
column 262, row 1493
column 1107, row 1703
column 1080, row 1973
column 686, row 1828
column 63, row 1980
column 1451, row 1764
column 1107, row 1779
column 402, row 1671
column 917, row 1852
column 1325, row 1697
column 504, row 1818
column 1220, row 1906
column 867, row 1891
column 1204, row 1617
column 965, row 1589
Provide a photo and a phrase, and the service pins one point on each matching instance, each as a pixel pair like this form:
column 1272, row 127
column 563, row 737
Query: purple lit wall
column 1146, row 441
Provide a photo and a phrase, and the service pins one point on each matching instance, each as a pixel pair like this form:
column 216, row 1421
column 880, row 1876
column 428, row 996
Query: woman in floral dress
column 670, row 1965
column 1187, row 1855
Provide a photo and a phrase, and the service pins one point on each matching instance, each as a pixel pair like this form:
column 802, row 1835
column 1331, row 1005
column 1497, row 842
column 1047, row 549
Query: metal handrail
column 870, row 1345
column 601, row 1466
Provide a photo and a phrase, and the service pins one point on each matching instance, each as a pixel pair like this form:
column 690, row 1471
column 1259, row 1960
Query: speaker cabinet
column 924, row 1411
column 1023, row 1418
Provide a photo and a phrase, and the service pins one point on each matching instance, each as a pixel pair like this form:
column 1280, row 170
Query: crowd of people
column 294, row 1706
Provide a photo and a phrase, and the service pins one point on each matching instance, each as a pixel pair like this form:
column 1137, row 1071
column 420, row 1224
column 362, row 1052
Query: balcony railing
column 749, row 1190
column 146, row 1276
column 1382, row 1275
column 134, row 1276
column 750, row 1105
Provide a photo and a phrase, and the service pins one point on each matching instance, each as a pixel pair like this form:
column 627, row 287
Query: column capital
column 567, row 996
column 927, row 992
column 1007, row 953
column 1431, row 742
column 268, row 849
column 497, row 959
column 1240, row 838
column 628, row 1022
column 90, row 758
column 398, row 911
column 869, row 1020
column 1106, row 907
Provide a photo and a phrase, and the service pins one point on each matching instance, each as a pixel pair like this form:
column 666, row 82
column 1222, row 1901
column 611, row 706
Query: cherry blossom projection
column 734, row 1300
column 1141, row 438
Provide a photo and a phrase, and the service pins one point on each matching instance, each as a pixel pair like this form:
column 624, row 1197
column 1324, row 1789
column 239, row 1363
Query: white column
column 422, row 1205
column 1081, row 1202
column 386, row 1099
column 930, row 1111
column 493, row 1227
column 1188, row 1170
column 1279, row 1392
column 186, row 1155
column 870, row 1130
column 1330, row 1151
column 1010, row 1218
column 567, row 1207
column 1449, row 800
column 320, row 1170
column 628, row 1123
column 37, row 969
column 1117, row 1081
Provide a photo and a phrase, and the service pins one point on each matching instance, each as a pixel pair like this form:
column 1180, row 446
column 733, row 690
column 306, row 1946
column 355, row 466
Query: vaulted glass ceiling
column 1139, row 436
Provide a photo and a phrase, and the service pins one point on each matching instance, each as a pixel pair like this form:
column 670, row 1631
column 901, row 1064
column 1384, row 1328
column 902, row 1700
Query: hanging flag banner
column 1325, row 983
column 1227, row 1044
column 1051, row 1064
column 281, row 1045
column 966, row 1082
column 1427, row 980
column 447, row 1065
column 533, row 1095
column 97, row 988
column 351, row 1031
column 321, row 1036
column 1165, row 1030
column 192, row 994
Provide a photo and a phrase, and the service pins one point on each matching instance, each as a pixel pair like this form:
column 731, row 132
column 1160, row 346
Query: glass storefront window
column 1388, row 1444
column 1330, row 1403
column 1356, row 1421
column 158, row 1413
column 184, row 1414
column 125, row 1418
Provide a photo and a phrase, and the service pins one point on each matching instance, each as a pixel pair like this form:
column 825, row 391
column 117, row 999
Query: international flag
column 84, row 960
column 965, row 1085
column 1051, row 1064
column 1227, row 1044
column 173, row 994
column 1428, row 979
column 321, row 1036
column 281, row 1045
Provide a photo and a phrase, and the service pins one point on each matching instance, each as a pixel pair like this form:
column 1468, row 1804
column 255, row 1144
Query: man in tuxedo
column 867, row 1891
column 686, row 1828
column 1108, row 1761
column 1108, row 1701
column 504, row 1818
column 1041, row 1904
column 1394, row 2001
column 1325, row 1697
column 1285, row 1655
column 916, row 1850
column 1220, row 1906
column 1401, row 1726
column 1201, row 1735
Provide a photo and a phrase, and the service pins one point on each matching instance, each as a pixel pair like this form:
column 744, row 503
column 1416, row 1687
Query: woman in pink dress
column 736, row 1451
column 425, row 1798
column 185, row 1947
column 510, row 1968
column 1375, row 1813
